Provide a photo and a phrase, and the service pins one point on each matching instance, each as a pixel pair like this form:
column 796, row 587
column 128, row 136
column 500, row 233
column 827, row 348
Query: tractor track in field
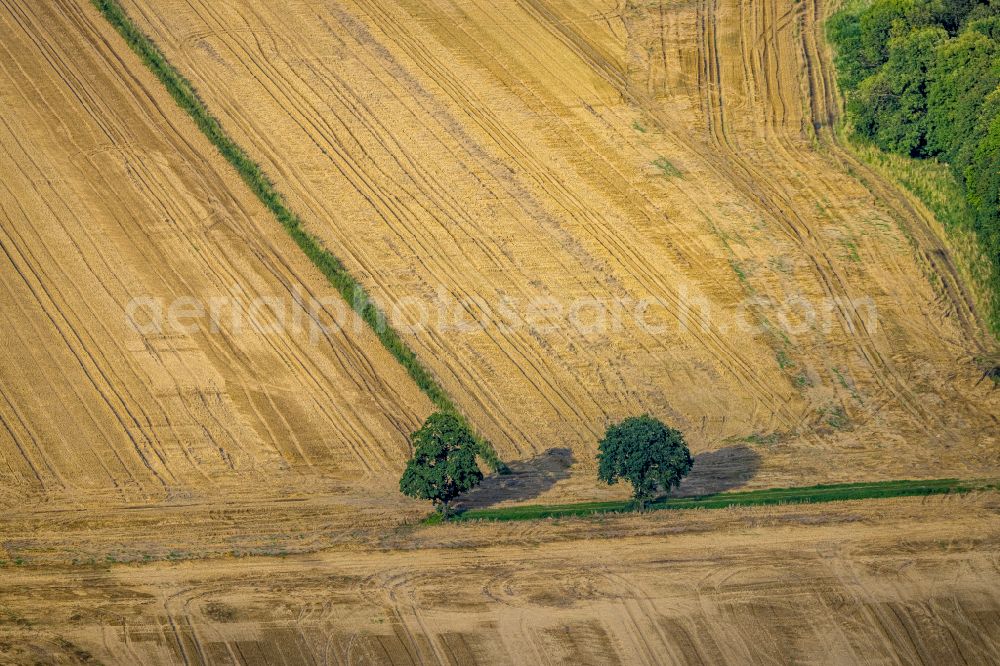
column 725, row 157
column 110, row 212
column 904, row 582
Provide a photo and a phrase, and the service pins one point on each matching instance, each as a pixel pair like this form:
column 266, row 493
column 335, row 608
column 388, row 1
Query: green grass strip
column 356, row 296
column 801, row 495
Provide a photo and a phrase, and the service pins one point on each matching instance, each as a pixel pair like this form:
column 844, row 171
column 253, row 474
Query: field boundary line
column 183, row 92
column 768, row 496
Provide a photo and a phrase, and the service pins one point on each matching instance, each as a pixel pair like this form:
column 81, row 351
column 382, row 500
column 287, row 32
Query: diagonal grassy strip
column 184, row 94
column 801, row 495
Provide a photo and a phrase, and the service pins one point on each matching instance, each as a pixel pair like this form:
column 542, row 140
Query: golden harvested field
column 573, row 212
column 487, row 155
column 904, row 581
column 109, row 193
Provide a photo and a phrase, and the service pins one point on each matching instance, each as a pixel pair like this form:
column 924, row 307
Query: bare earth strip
column 901, row 581
column 482, row 153
column 108, row 193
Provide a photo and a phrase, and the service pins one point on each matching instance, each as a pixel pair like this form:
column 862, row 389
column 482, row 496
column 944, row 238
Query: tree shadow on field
column 720, row 470
column 527, row 480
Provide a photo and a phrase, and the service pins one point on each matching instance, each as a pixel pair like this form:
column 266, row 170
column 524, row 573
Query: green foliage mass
column 890, row 106
column 646, row 453
column 443, row 465
column 922, row 79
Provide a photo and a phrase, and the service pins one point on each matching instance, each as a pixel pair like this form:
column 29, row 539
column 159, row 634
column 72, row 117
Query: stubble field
column 485, row 153
column 229, row 495
column 905, row 581
column 110, row 194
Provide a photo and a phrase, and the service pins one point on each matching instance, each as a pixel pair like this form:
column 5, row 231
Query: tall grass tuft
column 933, row 183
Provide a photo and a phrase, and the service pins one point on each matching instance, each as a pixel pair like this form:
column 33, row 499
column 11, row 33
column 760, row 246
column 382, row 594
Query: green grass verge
column 184, row 94
column 933, row 183
column 802, row 495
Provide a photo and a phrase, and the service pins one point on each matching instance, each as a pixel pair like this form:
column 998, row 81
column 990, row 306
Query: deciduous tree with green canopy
column 443, row 465
column 890, row 107
column 647, row 454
